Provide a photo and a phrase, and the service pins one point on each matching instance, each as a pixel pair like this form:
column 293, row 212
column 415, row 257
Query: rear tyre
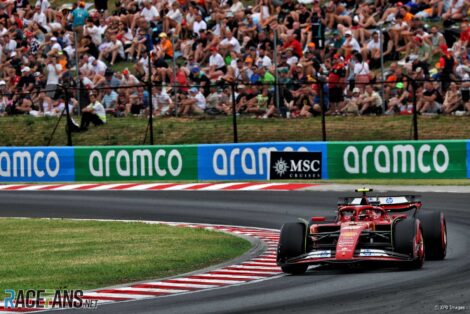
column 292, row 243
column 408, row 239
column 435, row 234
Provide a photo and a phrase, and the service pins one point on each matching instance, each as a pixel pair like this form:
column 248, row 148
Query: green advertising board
column 124, row 163
column 404, row 159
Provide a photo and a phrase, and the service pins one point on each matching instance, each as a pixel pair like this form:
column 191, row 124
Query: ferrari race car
column 366, row 228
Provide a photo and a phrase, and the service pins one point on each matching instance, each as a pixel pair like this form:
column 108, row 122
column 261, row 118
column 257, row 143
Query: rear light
column 318, row 218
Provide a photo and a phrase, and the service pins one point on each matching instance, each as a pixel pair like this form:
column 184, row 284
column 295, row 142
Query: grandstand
column 265, row 59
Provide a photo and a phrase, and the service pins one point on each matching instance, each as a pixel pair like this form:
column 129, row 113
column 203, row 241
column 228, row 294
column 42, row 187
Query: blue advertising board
column 248, row 161
column 37, row 164
column 468, row 159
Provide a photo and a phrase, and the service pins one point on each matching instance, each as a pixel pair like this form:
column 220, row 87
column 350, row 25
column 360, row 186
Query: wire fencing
column 317, row 109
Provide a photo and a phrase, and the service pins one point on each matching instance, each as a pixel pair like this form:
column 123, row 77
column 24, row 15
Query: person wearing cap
column 139, row 44
column 447, row 64
column 93, row 113
column 399, row 102
column 336, row 77
column 217, row 67
column 350, row 44
column 194, row 103
column 351, row 106
column 165, row 47
column 199, row 78
column 114, row 52
column 26, row 83
column 79, row 16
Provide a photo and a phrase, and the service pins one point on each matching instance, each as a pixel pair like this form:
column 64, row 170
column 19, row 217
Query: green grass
column 399, row 182
column 29, row 131
column 64, row 254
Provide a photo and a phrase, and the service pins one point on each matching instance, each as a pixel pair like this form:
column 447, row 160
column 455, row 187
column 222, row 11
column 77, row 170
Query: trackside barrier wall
column 340, row 160
column 398, row 159
column 248, row 161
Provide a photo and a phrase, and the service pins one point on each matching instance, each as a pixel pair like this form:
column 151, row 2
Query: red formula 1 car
column 366, row 228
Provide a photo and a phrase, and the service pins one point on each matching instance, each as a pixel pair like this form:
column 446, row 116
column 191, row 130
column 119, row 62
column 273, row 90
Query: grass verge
column 29, row 131
column 67, row 254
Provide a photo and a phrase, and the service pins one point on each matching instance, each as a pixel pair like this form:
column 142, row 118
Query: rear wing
column 388, row 202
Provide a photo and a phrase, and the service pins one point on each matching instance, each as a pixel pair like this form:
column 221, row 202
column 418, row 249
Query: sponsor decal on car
column 372, row 252
column 319, row 254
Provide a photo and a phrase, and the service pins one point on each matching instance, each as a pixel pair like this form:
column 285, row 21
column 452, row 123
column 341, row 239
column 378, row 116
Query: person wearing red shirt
column 335, row 85
column 464, row 33
column 293, row 43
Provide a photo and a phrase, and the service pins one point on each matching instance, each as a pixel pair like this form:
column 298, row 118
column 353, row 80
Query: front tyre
column 292, row 243
column 408, row 239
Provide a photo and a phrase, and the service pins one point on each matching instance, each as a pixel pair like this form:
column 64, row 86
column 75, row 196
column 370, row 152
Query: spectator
column 370, row 102
column 195, row 103
column 429, row 99
column 94, row 113
column 452, row 100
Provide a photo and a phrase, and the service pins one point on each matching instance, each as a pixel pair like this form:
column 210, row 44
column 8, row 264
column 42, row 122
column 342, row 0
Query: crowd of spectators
column 274, row 58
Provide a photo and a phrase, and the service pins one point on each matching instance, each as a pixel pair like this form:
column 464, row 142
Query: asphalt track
column 435, row 288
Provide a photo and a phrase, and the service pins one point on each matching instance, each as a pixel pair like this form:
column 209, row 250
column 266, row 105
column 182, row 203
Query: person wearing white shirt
column 97, row 66
column 350, row 44
column 263, row 59
column 94, row 113
column 163, row 104
column 114, row 52
column 93, row 31
column 195, row 103
column 10, row 44
column 39, row 16
column 54, row 70
column 231, row 43
column 199, row 24
column 55, row 45
column 150, row 12
column 217, row 65
column 237, row 6
column 173, row 19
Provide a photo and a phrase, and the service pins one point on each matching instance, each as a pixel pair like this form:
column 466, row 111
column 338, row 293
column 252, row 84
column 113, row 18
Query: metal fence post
column 149, row 88
column 415, row 114
column 322, row 106
column 67, row 112
column 234, row 115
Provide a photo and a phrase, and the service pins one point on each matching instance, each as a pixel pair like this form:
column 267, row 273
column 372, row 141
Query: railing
column 233, row 122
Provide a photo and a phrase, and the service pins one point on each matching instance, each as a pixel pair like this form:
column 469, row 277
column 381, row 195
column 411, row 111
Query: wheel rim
column 419, row 247
column 443, row 234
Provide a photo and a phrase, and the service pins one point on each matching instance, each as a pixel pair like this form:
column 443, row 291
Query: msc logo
column 295, row 165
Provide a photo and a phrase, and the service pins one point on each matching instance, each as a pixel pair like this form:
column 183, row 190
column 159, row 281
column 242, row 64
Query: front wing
column 360, row 255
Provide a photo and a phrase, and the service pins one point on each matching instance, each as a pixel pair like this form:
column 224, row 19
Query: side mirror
column 316, row 219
